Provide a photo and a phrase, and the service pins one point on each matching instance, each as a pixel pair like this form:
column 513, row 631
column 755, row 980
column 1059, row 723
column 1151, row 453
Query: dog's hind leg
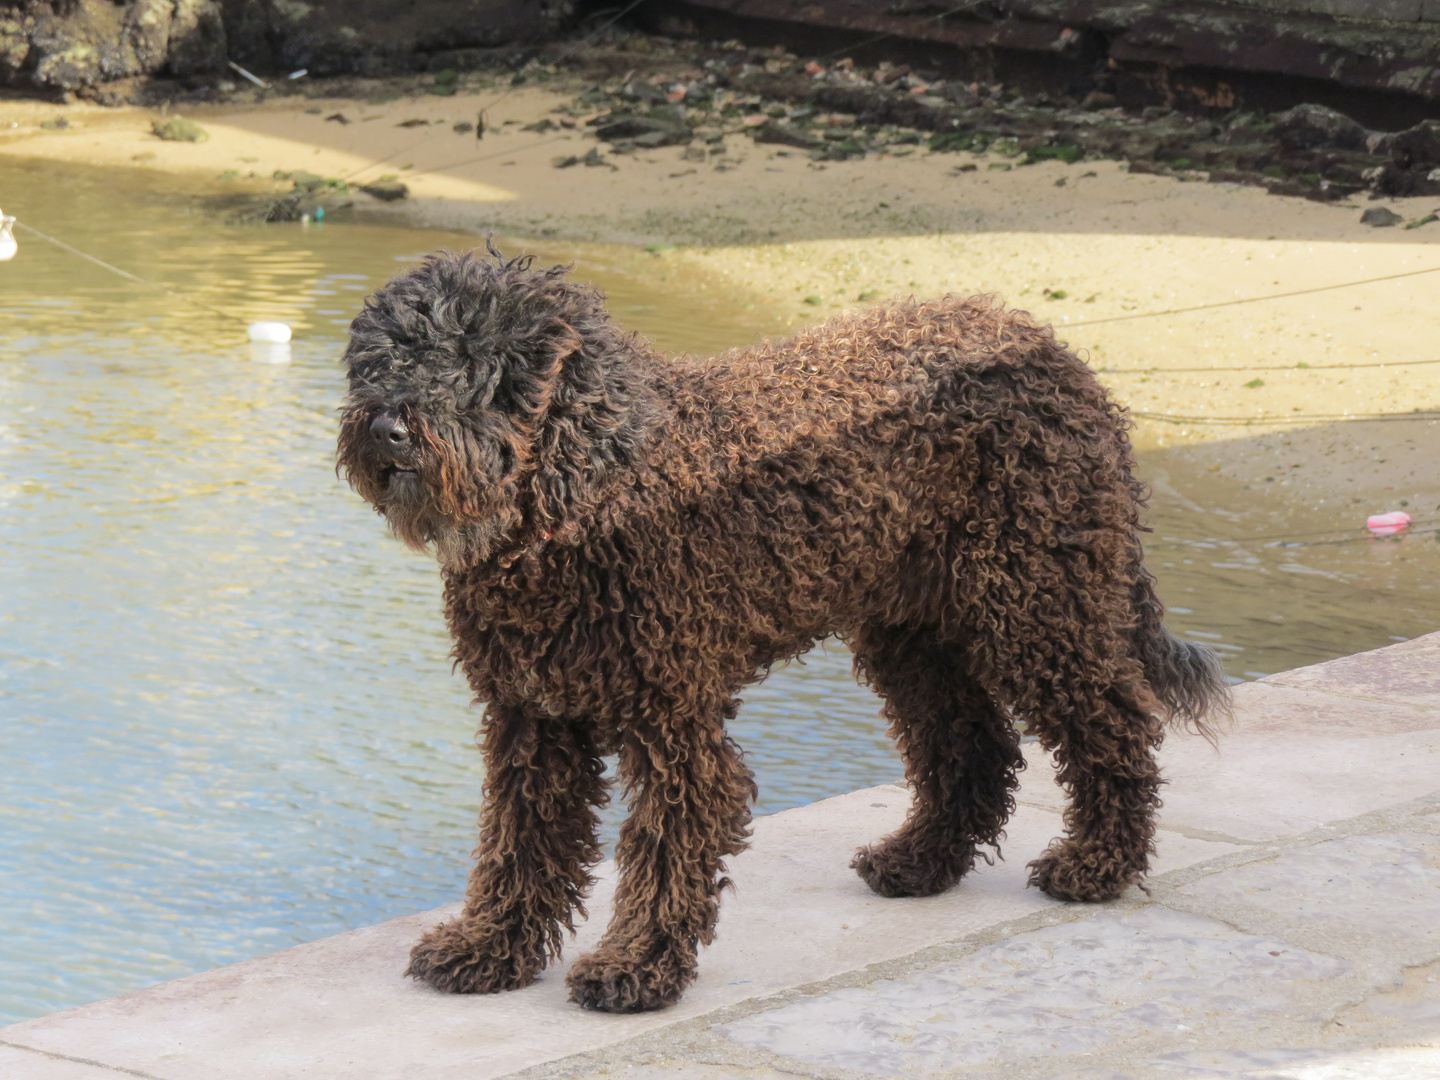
column 961, row 757
column 1072, row 682
column 543, row 781
column 690, row 808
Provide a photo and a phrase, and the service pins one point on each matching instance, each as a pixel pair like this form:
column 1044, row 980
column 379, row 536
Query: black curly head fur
column 485, row 398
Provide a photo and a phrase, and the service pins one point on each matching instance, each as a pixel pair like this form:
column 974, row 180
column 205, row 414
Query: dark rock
column 1309, row 127
column 1392, row 180
column 342, row 37
column 83, row 43
column 623, row 126
column 1379, row 217
column 70, row 45
column 195, row 40
column 386, row 190
column 640, row 91
column 1417, row 146
column 773, row 131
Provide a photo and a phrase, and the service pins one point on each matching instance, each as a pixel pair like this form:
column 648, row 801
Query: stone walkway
column 1291, row 932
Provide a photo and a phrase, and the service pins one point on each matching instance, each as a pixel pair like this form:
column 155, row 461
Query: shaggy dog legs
column 1105, row 744
column 961, row 756
column 543, row 780
column 690, row 808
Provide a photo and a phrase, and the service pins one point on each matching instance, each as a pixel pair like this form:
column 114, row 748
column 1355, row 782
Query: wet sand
column 1078, row 245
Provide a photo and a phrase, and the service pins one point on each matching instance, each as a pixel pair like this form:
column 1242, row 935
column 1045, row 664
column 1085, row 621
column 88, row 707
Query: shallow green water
column 227, row 719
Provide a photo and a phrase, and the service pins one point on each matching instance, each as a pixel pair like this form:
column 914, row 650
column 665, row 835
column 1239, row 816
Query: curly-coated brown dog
column 627, row 540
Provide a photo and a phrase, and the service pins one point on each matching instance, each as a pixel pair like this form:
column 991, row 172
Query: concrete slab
column 1292, row 931
column 1402, row 1063
column 1390, row 1063
column 797, row 914
column 1359, row 895
column 33, row 1065
column 1278, row 770
column 1407, row 673
column 1054, row 992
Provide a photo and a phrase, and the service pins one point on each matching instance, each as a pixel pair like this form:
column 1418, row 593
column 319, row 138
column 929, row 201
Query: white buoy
column 270, row 333
column 8, row 246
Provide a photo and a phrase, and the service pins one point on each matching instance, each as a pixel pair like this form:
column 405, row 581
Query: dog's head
column 484, row 396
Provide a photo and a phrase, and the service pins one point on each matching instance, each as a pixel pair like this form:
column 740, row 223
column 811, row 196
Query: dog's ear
column 562, row 347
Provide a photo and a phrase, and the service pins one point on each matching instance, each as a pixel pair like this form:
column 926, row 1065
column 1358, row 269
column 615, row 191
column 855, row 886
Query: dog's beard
column 409, row 507
column 432, row 503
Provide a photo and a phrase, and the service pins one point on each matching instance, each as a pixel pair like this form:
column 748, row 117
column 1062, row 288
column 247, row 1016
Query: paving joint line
column 56, row 1056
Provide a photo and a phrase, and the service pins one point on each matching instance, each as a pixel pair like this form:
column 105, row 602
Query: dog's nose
column 390, row 433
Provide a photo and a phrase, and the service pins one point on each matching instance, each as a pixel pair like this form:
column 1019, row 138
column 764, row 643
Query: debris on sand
column 782, row 134
column 679, row 94
column 386, row 189
column 1396, row 521
column 179, row 129
column 649, row 130
column 1380, row 217
column 312, row 196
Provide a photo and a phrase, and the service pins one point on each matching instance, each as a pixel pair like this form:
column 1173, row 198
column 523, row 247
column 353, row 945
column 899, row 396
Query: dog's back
column 889, row 464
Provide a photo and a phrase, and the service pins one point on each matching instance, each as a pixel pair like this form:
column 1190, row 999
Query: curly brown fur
column 627, row 541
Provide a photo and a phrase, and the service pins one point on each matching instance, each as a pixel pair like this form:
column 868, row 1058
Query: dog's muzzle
column 390, row 437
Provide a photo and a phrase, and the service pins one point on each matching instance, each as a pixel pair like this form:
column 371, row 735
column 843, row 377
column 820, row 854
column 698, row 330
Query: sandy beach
column 1091, row 247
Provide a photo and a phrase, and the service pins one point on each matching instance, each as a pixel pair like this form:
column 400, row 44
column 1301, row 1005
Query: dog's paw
column 895, row 869
column 612, row 980
column 463, row 957
column 1090, row 873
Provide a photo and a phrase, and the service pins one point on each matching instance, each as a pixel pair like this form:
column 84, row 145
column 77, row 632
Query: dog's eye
column 422, row 308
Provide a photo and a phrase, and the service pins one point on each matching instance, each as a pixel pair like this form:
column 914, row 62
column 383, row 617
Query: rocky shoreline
column 837, row 110
column 639, row 92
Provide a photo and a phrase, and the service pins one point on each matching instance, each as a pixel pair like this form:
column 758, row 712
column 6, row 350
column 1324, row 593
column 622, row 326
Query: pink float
column 1387, row 524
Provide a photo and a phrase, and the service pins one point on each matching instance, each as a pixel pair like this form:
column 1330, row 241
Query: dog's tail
column 1185, row 675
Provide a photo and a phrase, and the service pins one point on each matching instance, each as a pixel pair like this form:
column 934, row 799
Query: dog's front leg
column 543, row 780
column 690, row 809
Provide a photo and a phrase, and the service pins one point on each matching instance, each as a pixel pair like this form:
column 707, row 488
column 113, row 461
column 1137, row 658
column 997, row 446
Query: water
column 1274, row 583
column 227, row 719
